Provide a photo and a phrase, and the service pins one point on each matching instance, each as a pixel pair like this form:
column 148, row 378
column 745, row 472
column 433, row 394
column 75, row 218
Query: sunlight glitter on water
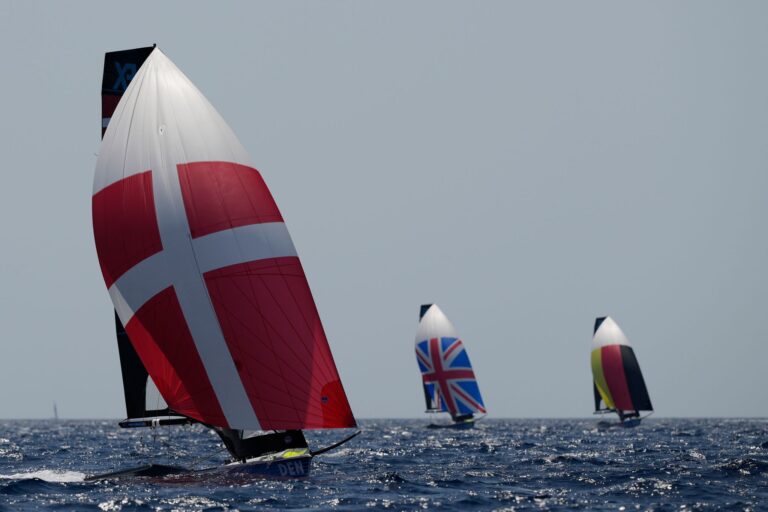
column 400, row 465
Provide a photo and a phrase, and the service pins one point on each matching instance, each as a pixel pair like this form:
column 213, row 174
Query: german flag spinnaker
column 618, row 383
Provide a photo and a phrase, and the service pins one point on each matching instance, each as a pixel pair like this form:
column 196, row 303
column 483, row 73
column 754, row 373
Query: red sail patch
column 613, row 370
column 273, row 331
column 125, row 225
column 159, row 333
column 224, row 195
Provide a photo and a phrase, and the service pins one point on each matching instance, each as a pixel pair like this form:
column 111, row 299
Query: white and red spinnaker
column 201, row 268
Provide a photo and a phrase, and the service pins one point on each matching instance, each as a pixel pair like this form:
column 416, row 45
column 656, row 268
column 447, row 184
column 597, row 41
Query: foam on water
column 47, row 475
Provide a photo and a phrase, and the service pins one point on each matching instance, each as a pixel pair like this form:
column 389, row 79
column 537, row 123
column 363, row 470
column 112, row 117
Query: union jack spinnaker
column 618, row 384
column 448, row 379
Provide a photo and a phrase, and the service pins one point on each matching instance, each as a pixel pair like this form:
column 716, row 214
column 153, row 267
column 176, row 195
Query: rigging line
column 168, row 426
column 205, row 458
column 153, row 453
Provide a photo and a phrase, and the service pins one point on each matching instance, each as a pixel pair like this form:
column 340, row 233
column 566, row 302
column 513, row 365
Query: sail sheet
column 447, row 376
column 616, row 374
column 201, row 268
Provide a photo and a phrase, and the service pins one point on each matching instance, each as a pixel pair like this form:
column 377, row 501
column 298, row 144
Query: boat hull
column 460, row 425
column 295, row 467
column 605, row 425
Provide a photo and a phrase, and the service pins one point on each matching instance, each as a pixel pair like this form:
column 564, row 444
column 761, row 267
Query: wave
column 47, row 475
column 746, row 466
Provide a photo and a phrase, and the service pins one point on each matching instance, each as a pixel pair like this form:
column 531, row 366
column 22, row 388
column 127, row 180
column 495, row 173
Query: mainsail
column 618, row 384
column 200, row 266
column 119, row 69
column 447, row 376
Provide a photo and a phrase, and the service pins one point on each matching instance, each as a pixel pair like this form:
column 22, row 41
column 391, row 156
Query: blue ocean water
column 665, row 464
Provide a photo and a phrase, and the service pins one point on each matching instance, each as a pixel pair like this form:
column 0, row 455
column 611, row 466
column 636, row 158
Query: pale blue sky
column 525, row 165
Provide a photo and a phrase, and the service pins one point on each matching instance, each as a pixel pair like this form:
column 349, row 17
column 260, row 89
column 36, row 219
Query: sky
column 527, row 166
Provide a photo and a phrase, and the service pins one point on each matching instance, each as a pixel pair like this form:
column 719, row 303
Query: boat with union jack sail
column 447, row 377
column 617, row 382
column 212, row 307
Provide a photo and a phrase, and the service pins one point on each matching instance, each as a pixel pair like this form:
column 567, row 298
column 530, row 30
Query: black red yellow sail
column 618, row 383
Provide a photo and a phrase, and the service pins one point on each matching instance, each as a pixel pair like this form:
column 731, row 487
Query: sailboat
column 212, row 306
column 446, row 373
column 617, row 383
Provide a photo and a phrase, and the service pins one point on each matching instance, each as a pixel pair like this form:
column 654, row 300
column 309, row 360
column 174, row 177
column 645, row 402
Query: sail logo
column 125, row 73
column 291, row 468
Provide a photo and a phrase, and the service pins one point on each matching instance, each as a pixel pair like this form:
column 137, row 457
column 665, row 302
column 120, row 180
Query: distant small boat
column 448, row 380
column 213, row 311
column 55, row 412
column 617, row 383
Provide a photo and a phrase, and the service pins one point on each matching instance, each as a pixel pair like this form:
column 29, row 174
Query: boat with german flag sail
column 448, row 380
column 617, row 381
column 212, row 306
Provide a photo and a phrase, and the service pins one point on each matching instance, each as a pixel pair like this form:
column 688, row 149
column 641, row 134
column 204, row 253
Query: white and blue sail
column 447, row 376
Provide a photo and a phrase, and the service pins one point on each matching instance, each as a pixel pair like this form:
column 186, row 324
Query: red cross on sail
column 201, row 268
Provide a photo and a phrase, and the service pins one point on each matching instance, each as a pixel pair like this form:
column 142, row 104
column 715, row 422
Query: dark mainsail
column 135, row 379
column 598, row 398
column 430, row 397
column 598, row 321
column 134, row 375
column 119, row 69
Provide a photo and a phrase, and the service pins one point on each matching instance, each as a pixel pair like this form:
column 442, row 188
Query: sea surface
column 665, row 464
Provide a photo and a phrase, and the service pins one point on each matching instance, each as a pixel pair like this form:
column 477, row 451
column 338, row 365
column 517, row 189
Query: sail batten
column 201, row 268
column 617, row 380
column 448, row 380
